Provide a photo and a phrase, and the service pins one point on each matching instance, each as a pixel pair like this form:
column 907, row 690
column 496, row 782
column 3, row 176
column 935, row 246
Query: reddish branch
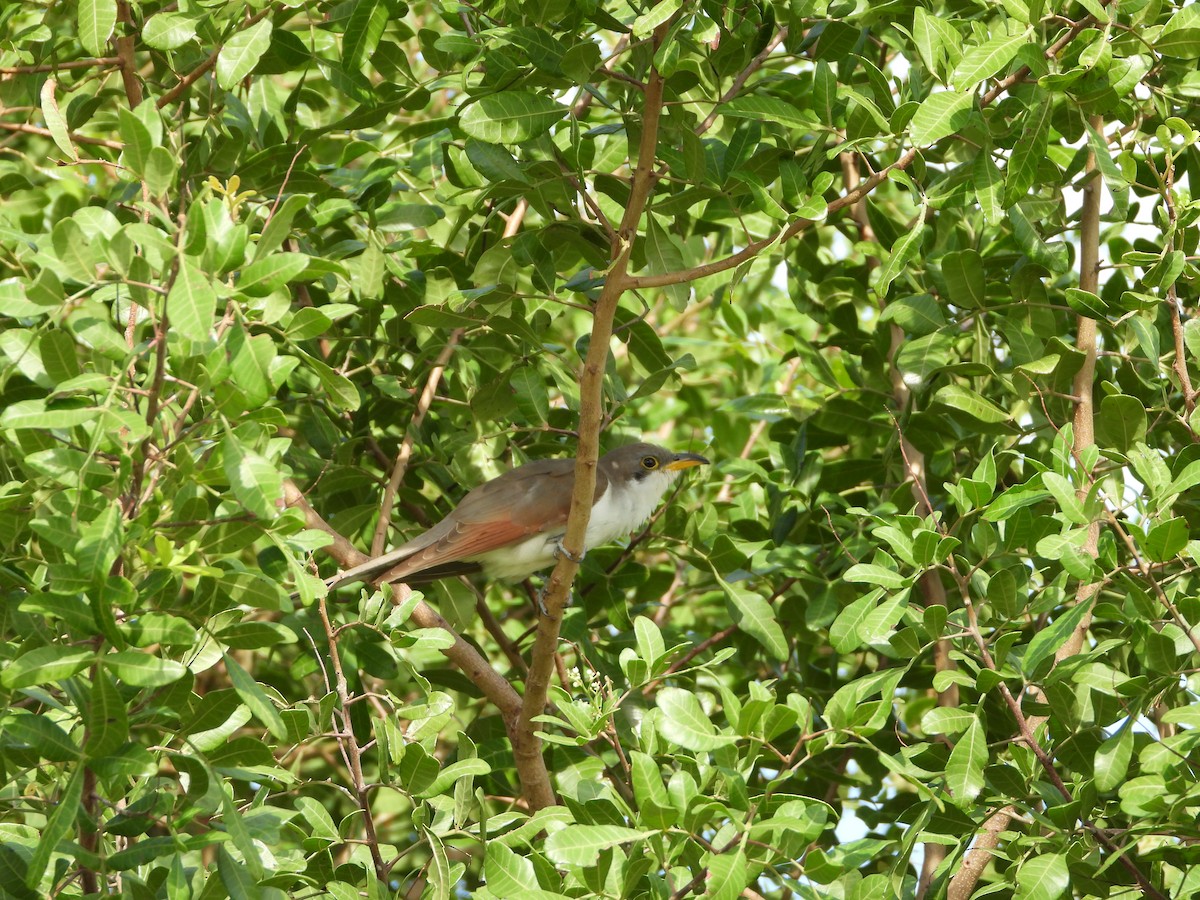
column 125, row 44
column 527, row 750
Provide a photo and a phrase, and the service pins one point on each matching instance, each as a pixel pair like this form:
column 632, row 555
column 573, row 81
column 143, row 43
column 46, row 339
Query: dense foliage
column 281, row 280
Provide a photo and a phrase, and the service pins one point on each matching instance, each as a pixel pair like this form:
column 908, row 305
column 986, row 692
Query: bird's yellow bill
column 686, row 462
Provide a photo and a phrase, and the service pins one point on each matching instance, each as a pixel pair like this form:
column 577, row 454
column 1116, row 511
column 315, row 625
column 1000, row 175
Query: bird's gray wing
column 531, row 499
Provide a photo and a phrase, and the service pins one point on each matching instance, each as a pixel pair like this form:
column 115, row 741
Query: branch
column 963, row 883
column 740, row 81
column 1052, row 51
column 1180, row 363
column 527, row 750
column 125, row 45
column 56, row 67
column 1027, row 726
column 26, row 128
column 752, row 249
column 197, row 73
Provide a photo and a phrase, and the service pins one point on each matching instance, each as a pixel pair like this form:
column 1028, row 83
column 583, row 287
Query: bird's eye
column 649, row 462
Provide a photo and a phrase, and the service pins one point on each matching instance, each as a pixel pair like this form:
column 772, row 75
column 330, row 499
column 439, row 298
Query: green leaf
column 970, row 403
column 169, row 30
column 728, row 875
column 1121, row 422
column 106, row 719
column 508, row 875
column 1047, row 641
column 1180, row 37
column 580, row 845
column 1118, row 185
column 963, row 271
column 270, row 273
column 191, row 302
column 37, row 733
column 921, row 357
column 1043, row 877
column 1112, row 760
column 96, row 21
column 938, row 43
column 33, row 414
column 253, row 635
column 340, row 388
column 964, row 769
column 941, row 115
column 657, row 14
column 1086, row 303
column 1150, row 468
column 144, row 669
column 685, row 723
column 664, row 256
column 1166, row 540
column 235, row 877
column 1028, row 152
column 869, row 573
column 56, row 123
column 1053, row 256
column 256, row 482
column 918, row 315
column 881, row 621
column 241, row 54
column 160, row 171
column 1064, row 493
column 844, row 632
column 276, row 230
column 766, row 109
column 903, row 252
column 947, row 720
column 494, row 162
column 363, row 30
column 982, row 62
column 654, row 805
column 756, row 617
column 988, row 184
column 510, row 117
column 44, row 665
column 58, row 827
column 255, row 698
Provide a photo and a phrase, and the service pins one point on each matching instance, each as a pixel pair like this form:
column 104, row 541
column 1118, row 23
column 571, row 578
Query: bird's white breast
column 618, row 512
column 624, row 508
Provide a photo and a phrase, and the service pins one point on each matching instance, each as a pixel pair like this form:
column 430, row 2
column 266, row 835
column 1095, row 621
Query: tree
column 281, row 280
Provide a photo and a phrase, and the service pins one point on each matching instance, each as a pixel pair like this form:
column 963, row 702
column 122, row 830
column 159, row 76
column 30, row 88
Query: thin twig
column 26, row 128
column 55, row 67
column 348, row 741
column 740, row 80
column 404, row 455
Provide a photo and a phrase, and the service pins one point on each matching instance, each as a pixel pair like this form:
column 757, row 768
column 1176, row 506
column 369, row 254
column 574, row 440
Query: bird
column 512, row 526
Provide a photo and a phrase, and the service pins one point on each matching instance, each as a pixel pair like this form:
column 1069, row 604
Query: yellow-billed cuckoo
column 513, row 525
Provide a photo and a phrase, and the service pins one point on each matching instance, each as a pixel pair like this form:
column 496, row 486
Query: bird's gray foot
column 539, row 600
column 560, row 550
